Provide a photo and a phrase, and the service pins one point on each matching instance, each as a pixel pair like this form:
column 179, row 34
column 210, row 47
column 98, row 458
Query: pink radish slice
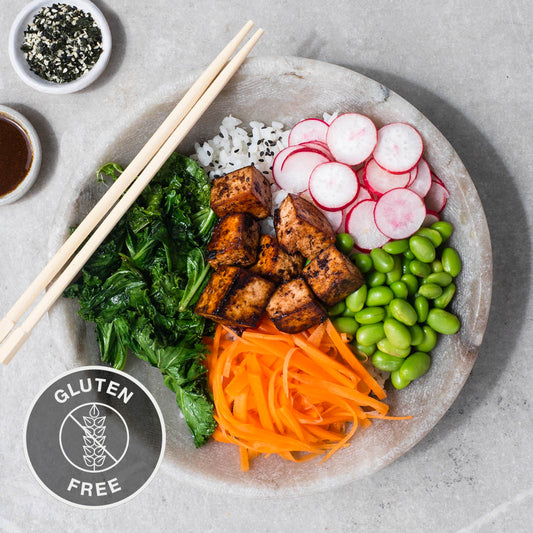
column 399, row 147
column 422, row 183
column 335, row 218
column 333, row 186
column 379, row 181
column 434, row 177
column 360, row 224
column 412, row 175
column 310, row 129
column 437, row 197
column 319, row 147
column 297, row 168
column 351, row 138
column 399, row 213
column 280, row 159
column 431, row 217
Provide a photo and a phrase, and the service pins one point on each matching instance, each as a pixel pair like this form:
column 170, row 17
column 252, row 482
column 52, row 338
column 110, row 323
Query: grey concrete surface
column 468, row 67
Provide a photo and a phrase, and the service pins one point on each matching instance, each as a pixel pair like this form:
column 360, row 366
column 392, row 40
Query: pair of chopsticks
column 121, row 195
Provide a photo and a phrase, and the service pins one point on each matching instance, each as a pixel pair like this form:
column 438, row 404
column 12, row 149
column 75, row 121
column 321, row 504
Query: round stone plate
column 288, row 90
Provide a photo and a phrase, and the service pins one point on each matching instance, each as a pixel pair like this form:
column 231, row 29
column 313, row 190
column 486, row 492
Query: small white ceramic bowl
column 16, row 55
column 25, row 185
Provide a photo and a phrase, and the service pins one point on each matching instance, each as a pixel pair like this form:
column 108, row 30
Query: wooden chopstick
column 19, row 335
column 117, row 189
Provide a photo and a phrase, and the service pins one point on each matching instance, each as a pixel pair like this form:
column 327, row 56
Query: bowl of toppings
column 59, row 48
column 20, row 155
column 310, row 277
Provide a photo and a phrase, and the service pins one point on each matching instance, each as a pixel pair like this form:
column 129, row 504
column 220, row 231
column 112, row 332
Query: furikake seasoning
column 62, row 43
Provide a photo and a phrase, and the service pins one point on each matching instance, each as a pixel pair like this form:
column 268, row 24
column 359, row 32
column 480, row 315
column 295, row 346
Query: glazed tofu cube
column 275, row 264
column 293, row 307
column 235, row 297
column 244, row 191
column 332, row 276
column 302, row 227
column 235, row 241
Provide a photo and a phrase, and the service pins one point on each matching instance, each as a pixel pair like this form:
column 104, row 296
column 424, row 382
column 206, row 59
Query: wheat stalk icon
column 94, row 452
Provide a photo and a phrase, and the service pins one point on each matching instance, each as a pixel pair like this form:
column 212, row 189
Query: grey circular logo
column 94, row 437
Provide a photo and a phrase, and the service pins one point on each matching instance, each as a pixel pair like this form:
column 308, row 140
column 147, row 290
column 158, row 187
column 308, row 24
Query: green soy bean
column 409, row 255
column 436, row 266
column 444, row 228
column 430, row 290
column 337, row 309
column 379, row 296
column 442, row 279
column 382, row 261
column 344, row 243
column 370, row 315
column 443, row 321
column 403, row 311
column 396, row 247
column 405, row 266
column 415, row 366
column 451, row 262
column 397, row 381
column 400, row 290
column 432, row 234
column 419, row 268
column 429, row 341
column 347, row 311
column 397, row 333
column 411, row 282
column 369, row 334
column 385, row 345
column 384, row 361
column 375, row 278
column 422, row 248
column 417, row 334
column 421, row 306
column 356, row 301
column 365, row 350
column 345, row 324
column 446, row 297
column 396, row 273
column 362, row 261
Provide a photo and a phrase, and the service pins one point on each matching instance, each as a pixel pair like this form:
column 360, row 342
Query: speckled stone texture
column 467, row 68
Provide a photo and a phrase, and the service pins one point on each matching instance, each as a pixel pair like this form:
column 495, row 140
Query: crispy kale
column 141, row 285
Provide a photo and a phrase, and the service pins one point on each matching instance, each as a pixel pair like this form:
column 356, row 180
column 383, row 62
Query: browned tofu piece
column 275, row 264
column 302, row 227
column 294, row 308
column 235, row 297
column 243, row 191
column 235, row 241
column 332, row 276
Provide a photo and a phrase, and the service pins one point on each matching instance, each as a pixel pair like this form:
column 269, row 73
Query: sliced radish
column 280, row 159
column 379, row 181
column 434, row 177
column 310, row 129
column 422, row 183
column 437, row 197
column 431, row 218
column 319, row 147
column 399, row 147
column 413, row 173
column 335, row 218
column 360, row 224
column 296, row 170
column 351, row 138
column 399, row 213
column 333, row 186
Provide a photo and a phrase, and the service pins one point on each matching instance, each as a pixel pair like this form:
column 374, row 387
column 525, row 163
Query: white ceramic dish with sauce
column 18, row 60
column 288, row 89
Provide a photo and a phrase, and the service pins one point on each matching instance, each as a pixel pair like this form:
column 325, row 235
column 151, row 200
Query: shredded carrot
column 298, row 396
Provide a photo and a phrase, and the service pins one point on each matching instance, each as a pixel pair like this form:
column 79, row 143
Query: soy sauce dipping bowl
column 35, row 145
column 18, row 59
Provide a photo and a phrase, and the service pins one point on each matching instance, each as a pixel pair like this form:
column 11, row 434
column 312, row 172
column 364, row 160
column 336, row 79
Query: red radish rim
column 306, row 120
column 371, row 189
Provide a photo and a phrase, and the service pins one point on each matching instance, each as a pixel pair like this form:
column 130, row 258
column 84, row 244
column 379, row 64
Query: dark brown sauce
column 16, row 155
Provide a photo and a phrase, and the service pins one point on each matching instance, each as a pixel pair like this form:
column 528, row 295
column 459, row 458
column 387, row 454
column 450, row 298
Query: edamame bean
column 403, row 311
column 446, row 297
column 436, row 266
column 385, row 345
column 365, row 350
column 382, row 261
column 397, row 333
column 409, row 255
column 379, row 296
column 419, row 269
column 444, row 228
column 411, row 282
column 337, row 309
column 396, row 247
column 396, row 273
column 422, row 248
column 356, row 301
column 443, row 321
column 417, row 334
column 451, row 262
column 399, row 288
column 369, row 334
column 347, row 311
column 362, row 261
column 344, row 243
column 370, row 315
column 415, row 366
column 405, row 266
column 421, row 306
column 430, row 339
column 430, row 290
column 442, row 279
column 375, row 278
column 432, row 234
column 346, row 325
column 386, row 362
column 397, row 381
